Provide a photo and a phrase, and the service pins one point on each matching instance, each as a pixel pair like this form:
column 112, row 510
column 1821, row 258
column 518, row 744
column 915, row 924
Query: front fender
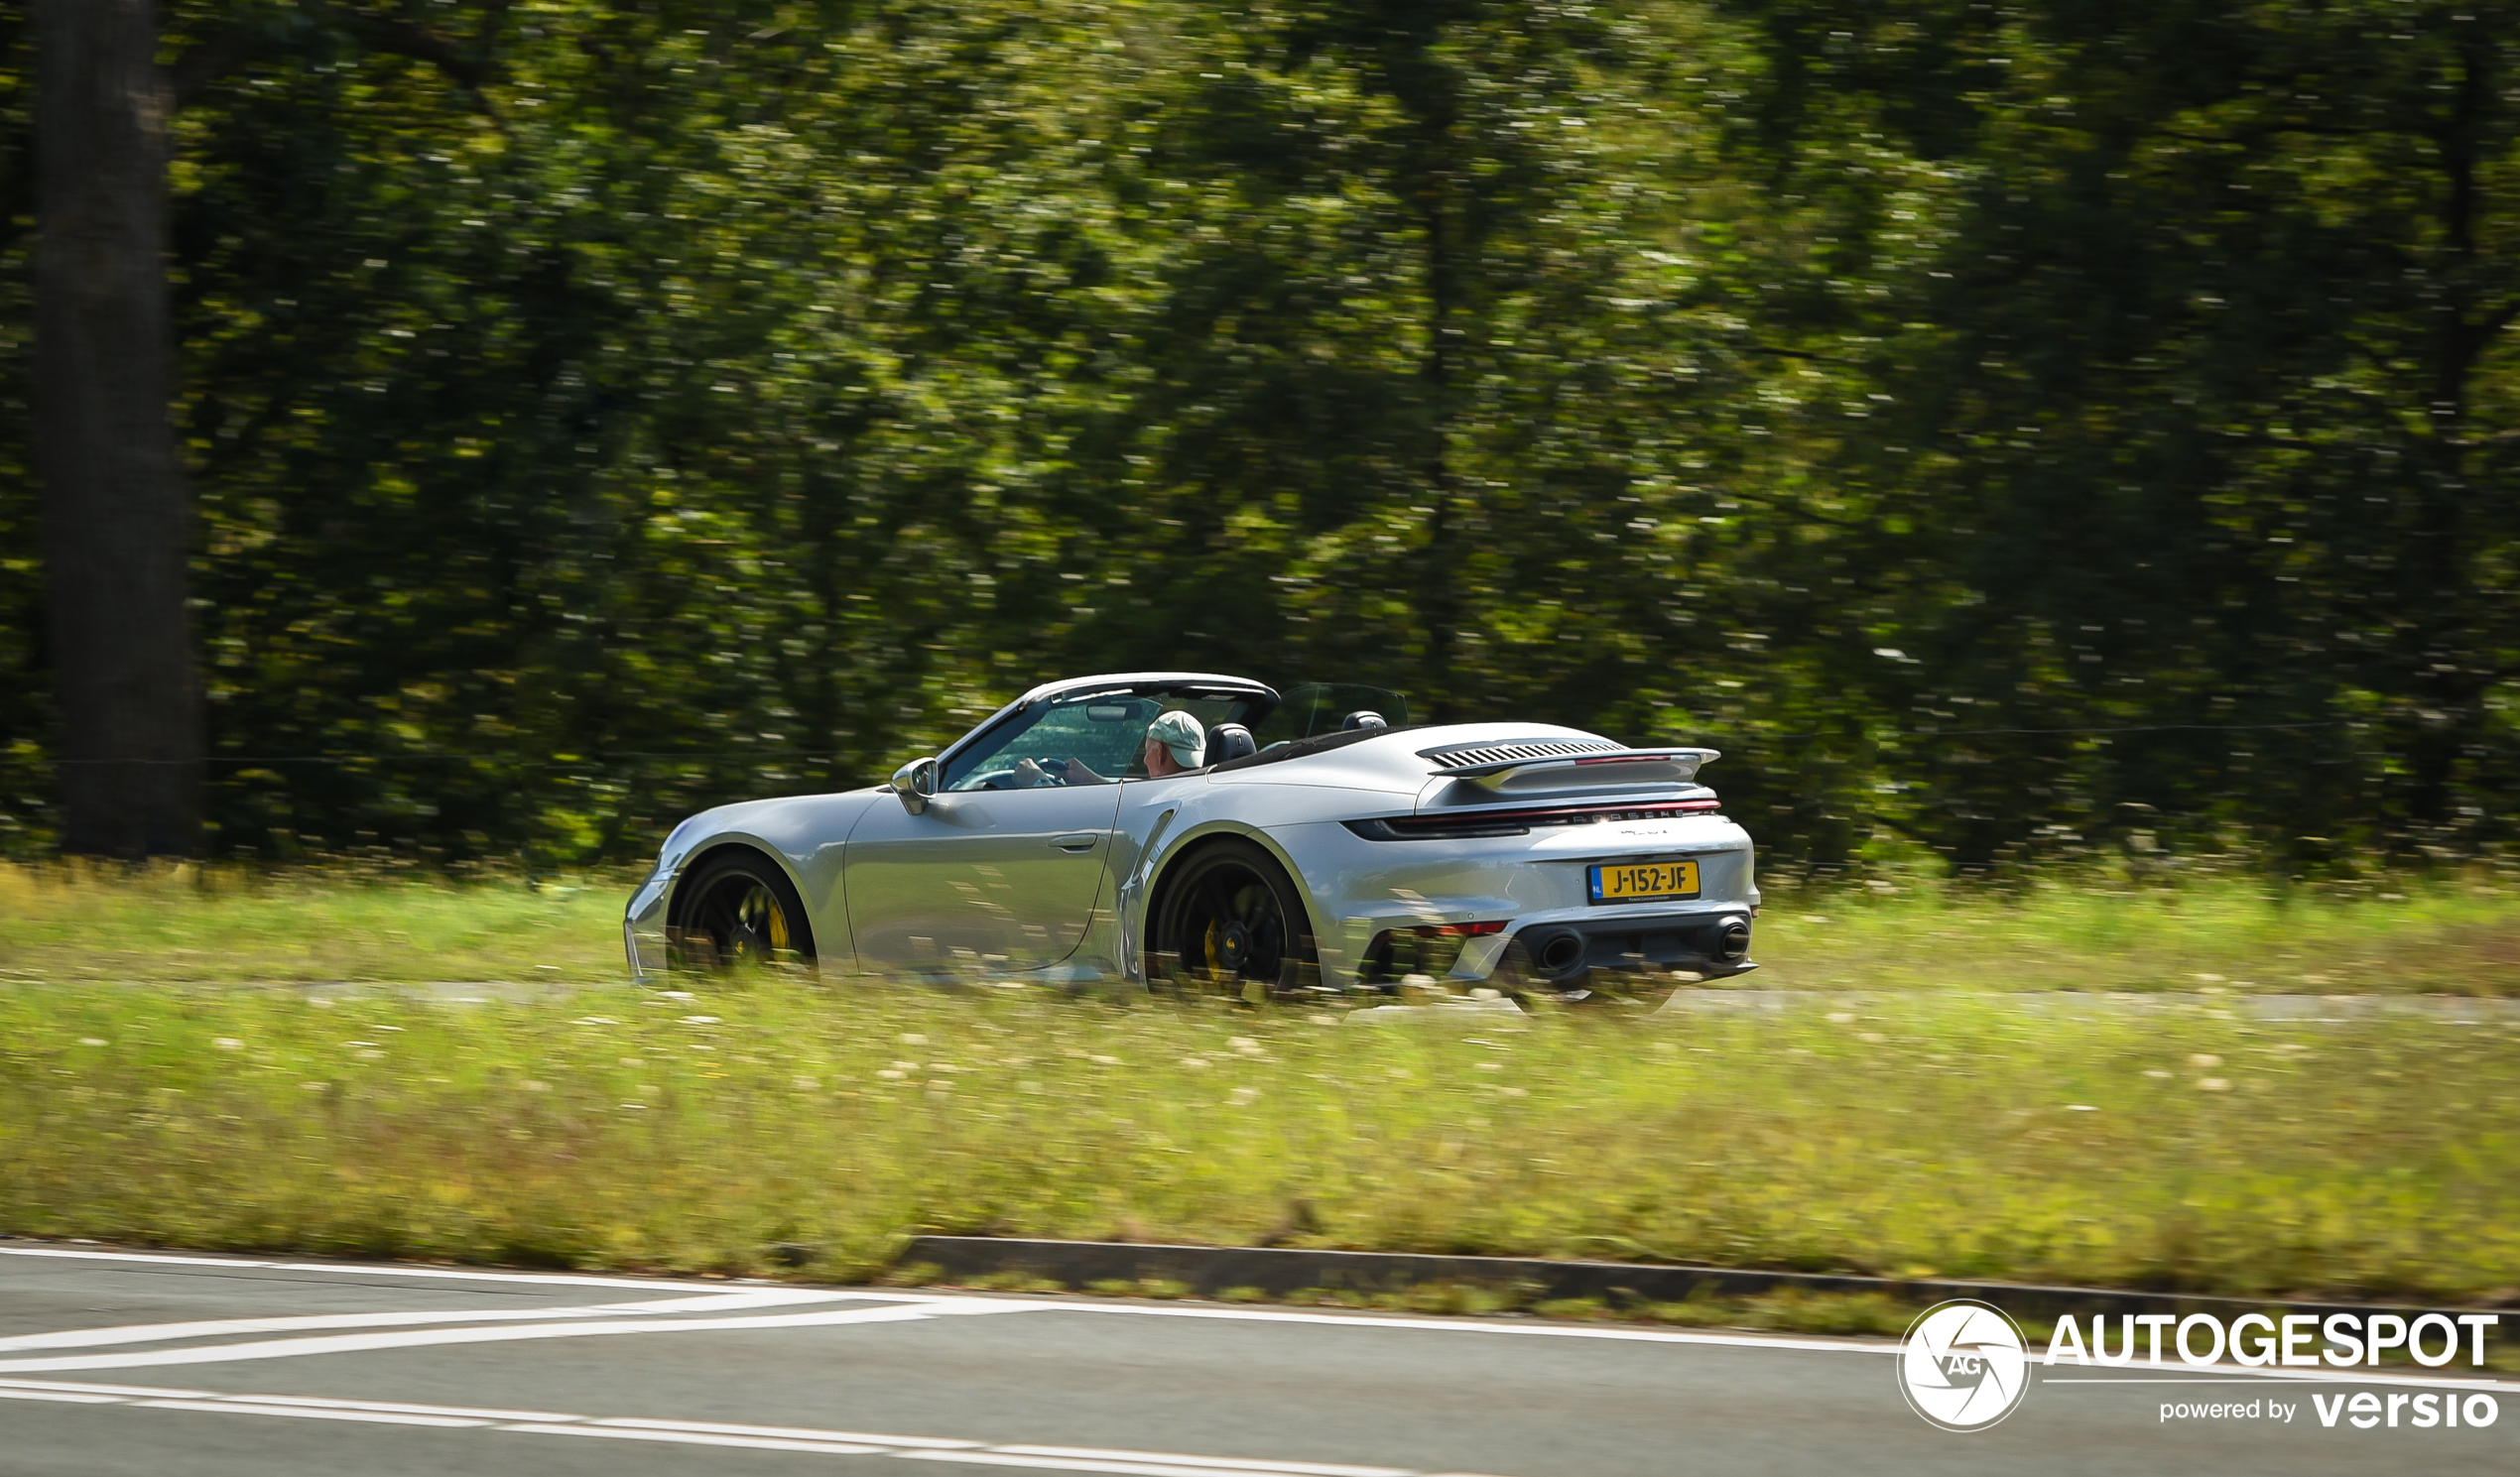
column 803, row 835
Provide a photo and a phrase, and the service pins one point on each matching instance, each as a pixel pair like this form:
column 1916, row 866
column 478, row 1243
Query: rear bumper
column 1692, row 940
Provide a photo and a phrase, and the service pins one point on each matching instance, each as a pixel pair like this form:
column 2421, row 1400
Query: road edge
column 1280, row 1272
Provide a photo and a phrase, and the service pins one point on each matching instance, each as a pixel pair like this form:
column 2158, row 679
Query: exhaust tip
column 1556, row 953
column 1732, row 942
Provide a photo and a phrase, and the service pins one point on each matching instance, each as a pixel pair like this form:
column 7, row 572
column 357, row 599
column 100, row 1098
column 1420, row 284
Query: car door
column 986, row 878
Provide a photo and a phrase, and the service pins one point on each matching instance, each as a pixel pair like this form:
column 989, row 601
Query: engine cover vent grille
column 1466, row 756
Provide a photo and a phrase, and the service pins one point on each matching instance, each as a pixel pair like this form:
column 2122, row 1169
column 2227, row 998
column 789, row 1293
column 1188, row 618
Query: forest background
column 2012, row 430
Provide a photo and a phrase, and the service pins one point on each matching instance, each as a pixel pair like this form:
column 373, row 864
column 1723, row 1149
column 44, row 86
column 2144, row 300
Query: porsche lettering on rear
column 1197, row 831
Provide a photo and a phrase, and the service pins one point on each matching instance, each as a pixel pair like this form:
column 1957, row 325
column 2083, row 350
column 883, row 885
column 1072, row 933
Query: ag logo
column 1962, row 1366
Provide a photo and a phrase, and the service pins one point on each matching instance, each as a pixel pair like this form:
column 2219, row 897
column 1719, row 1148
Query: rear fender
column 1145, row 883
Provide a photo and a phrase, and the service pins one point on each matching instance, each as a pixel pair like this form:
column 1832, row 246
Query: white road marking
column 137, row 1391
column 361, row 1343
column 150, row 1333
column 705, row 1439
column 722, row 1429
column 51, row 1251
column 65, row 1396
column 1078, row 1464
column 372, row 1417
column 1303, row 1468
column 396, row 1408
column 1466, row 1326
column 1114, row 1461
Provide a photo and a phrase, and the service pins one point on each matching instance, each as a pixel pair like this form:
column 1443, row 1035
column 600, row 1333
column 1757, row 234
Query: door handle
column 1077, row 841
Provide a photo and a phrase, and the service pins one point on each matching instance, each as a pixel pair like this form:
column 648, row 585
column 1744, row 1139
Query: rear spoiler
column 1567, row 765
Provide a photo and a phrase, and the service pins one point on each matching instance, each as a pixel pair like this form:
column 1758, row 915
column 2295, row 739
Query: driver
column 1175, row 745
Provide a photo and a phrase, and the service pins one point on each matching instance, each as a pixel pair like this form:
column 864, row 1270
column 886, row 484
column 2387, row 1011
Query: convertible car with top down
column 1190, row 830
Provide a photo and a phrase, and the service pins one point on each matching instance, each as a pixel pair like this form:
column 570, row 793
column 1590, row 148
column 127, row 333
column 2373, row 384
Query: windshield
column 1106, row 734
column 1088, row 738
column 1325, row 707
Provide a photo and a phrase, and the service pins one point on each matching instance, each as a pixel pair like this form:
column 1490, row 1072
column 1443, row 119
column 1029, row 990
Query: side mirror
column 916, row 784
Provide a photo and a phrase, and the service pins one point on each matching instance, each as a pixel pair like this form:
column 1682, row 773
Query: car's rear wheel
column 1228, row 921
column 738, row 910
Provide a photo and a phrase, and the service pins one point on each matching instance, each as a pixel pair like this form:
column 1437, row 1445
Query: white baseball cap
column 1181, row 733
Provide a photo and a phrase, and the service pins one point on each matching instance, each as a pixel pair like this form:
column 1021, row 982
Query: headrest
column 1229, row 741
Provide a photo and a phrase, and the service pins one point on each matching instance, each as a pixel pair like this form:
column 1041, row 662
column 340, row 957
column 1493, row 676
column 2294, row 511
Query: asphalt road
column 113, row 1363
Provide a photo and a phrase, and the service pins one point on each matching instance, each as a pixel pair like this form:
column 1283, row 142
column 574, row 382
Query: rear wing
column 1534, row 766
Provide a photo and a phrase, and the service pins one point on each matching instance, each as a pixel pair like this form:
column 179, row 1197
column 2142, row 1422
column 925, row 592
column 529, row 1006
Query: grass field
column 612, row 1127
column 155, row 1087
column 187, row 925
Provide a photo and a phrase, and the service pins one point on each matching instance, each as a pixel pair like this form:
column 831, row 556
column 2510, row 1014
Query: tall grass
column 612, row 1127
column 2234, row 935
column 79, row 922
column 189, row 923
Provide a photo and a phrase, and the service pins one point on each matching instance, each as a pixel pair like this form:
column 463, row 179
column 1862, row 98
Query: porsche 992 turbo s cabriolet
column 1085, row 833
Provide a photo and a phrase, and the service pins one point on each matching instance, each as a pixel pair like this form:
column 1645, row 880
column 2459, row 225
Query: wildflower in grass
column 2205, row 1060
column 699, row 1020
column 912, row 1039
column 1242, row 1097
column 2214, row 1084
column 94, row 1040
column 1244, row 1045
column 804, row 1084
column 1841, row 1018
column 2158, row 1074
column 1872, row 1037
column 892, row 1075
column 227, row 1044
column 1196, row 1063
column 533, row 1086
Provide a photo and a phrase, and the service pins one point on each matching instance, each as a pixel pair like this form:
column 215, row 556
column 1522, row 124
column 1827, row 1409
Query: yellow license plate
column 1643, row 882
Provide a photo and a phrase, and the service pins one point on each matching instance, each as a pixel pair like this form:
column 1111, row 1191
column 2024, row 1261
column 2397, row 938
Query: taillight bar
column 1460, row 930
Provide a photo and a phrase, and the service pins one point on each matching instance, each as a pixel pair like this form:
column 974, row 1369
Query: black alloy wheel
column 739, row 910
column 1228, row 921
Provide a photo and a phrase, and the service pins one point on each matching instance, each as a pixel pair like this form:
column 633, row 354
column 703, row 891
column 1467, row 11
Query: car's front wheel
column 1228, row 921
column 738, row 910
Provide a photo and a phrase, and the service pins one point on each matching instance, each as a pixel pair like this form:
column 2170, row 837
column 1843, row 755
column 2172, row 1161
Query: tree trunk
column 117, row 512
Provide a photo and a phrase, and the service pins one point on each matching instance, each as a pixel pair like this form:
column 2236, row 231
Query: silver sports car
column 1180, row 829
